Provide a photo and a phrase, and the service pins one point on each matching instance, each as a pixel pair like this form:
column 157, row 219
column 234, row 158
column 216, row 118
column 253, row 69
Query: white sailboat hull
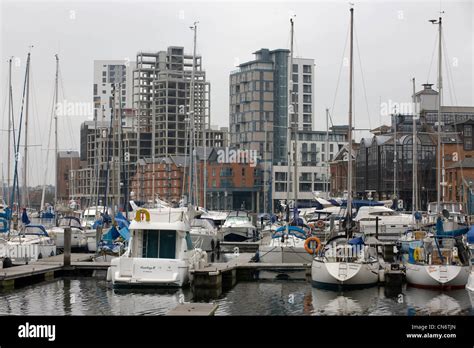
column 344, row 274
column 437, row 276
column 284, row 254
column 78, row 237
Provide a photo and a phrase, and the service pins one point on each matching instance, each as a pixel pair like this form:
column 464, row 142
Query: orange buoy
column 308, row 249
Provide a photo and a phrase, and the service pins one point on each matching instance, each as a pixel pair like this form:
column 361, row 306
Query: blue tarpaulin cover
column 470, row 236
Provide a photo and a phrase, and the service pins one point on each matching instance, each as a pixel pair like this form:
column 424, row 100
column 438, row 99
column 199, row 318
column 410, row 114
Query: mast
column 395, row 158
column 326, row 182
column 295, row 128
column 439, row 172
column 56, row 133
column 288, row 135
column 55, row 103
column 191, row 122
column 415, row 156
column 116, row 140
column 25, row 163
column 440, row 91
column 349, row 157
column 10, row 114
column 153, row 136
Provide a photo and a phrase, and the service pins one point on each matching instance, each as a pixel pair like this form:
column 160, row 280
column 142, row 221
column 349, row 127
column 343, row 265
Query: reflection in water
column 90, row 296
column 432, row 302
column 266, row 298
column 353, row 302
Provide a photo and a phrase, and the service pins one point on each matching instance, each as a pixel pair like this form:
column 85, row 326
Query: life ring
column 308, row 249
column 139, row 215
column 320, row 224
column 417, row 254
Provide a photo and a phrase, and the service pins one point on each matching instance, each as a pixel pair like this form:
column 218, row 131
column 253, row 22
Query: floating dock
column 194, row 309
column 48, row 269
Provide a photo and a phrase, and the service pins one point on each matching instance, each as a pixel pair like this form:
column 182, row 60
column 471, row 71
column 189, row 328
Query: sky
column 394, row 42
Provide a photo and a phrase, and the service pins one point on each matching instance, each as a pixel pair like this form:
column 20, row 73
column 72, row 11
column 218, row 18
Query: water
column 91, row 296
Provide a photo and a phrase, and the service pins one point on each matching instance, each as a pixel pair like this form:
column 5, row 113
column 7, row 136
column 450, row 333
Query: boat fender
column 310, row 250
column 7, row 262
column 455, row 252
column 320, row 224
column 109, row 275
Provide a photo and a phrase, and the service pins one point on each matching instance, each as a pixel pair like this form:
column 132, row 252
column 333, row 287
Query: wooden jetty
column 210, row 281
column 48, row 269
column 194, row 309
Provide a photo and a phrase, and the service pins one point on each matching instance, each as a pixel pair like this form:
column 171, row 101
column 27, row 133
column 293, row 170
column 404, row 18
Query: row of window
column 306, row 69
column 303, row 187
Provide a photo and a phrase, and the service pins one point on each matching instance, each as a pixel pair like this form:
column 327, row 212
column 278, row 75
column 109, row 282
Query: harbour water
column 92, row 296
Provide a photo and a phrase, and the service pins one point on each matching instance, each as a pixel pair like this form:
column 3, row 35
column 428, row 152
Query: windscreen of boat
column 237, row 219
column 384, row 213
column 159, row 244
column 69, row 222
column 34, row 230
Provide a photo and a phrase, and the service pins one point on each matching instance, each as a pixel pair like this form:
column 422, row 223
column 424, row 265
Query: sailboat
column 442, row 258
column 288, row 242
column 346, row 263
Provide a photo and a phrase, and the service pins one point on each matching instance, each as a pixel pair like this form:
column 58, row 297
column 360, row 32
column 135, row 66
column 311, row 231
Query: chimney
column 427, row 85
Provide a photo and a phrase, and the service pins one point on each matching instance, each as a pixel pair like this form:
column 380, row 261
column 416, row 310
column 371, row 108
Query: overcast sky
column 394, row 41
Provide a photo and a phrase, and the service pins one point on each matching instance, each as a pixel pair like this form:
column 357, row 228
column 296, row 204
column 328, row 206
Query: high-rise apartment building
column 161, row 94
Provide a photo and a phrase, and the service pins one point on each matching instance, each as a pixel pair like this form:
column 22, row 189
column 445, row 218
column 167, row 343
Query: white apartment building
column 303, row 92
column 314, row 150
column 108, row 73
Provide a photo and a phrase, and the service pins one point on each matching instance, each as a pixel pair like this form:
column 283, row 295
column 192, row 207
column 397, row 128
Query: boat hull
column 132, row 272
column 236, row 236
column 284, row 254
column 437, row 276
column 349, row 275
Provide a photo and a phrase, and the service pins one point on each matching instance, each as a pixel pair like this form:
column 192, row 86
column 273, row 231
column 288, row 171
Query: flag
column 24, row 218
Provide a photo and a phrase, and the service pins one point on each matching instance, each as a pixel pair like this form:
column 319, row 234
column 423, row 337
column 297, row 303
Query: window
column 468, row 131
column 331, row 148
column 307, row 98
column 295, row 88
column 104, row 80
column 280, row 176
column 307, row 88
column 307, row 69
column 305, row 187
column 468, row 144
column 306, row 108
column 104, row 73
column 243, row 171
column 295, row 68
column 307, row 78
column 294, row 78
